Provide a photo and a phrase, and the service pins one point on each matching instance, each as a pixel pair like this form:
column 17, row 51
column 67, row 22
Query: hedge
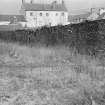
column 87, row 37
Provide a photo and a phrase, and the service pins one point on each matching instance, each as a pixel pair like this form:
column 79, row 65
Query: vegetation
column 63, row 66
column 59, row 76
column 87, row 37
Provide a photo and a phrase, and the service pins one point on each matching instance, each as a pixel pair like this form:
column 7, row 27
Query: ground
column 49, row 76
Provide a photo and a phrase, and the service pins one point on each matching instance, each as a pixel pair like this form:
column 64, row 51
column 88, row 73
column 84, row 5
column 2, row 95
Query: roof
column 101, row 16
column 9, row 17
column 43, row 7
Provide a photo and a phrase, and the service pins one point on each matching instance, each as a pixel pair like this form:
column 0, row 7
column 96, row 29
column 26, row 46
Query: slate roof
column 101, row 16
column 43, row 7
column 9, row 17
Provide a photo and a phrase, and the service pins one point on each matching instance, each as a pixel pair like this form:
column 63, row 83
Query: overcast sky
column 73, row 6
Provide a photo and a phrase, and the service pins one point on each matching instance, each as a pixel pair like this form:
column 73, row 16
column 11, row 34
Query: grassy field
column 49, row 76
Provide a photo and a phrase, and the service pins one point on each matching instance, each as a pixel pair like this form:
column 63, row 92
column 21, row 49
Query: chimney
column 54, row 3
column 100, row 11
column 32, row 1
column 23, row 1
column 92, row 10
column 63, row 2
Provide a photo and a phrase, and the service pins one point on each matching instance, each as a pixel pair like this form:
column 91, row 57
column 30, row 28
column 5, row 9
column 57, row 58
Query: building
column 102, row 16
column 78, row 18
column 38, row 15
column 101, row 11
column 96, row 14
column 12, row 19
column 12, row 22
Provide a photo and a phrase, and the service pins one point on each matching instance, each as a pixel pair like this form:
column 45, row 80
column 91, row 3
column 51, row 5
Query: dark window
column 50, row 24
column 63, row 14
column 31, row 14
column 34, row 18
column 56, row 14
column 47, row 14
column 40, row 14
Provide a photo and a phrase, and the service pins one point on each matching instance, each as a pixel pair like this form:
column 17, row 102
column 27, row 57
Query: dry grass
column 73, row 79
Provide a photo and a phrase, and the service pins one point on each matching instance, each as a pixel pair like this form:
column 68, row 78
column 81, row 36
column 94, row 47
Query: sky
column 74, row 6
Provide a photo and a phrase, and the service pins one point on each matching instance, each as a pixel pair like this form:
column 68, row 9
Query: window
column 56, row 14
column 63, row 14
column 50, row 24
column 47, row 14
column 31, row 14
column 40, row 14
column 35, row 18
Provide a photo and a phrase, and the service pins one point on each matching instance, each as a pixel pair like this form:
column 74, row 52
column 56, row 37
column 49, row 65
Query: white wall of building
column 41, row 18
column 22, row 23
column 4, row 23
column 102, row 11
column 93, row 16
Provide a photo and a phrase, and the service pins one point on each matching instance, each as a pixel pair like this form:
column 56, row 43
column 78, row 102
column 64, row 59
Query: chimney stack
column 54, row 3
column 23, row 1
column 92, row 10
column 32, row 1
column 63, row 2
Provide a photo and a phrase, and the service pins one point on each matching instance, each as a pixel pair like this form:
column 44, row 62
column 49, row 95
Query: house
column 12, row 22
column 96, row 13
column 79, row 18
column 12, row 19
column 101, row 11
column 38, row 15
column 102, row 16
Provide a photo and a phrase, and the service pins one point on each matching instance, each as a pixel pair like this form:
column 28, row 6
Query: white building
column 101, row 11
column 38, row 15
column 96, row 14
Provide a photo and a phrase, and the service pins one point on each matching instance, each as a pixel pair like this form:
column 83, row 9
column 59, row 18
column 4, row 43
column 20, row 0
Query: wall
column 54, row 18
column 22, row 23
column 102, row 11
column 4, row 23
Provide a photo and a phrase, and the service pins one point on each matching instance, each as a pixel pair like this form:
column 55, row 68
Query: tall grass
column 74, row 79
column 60, row 69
